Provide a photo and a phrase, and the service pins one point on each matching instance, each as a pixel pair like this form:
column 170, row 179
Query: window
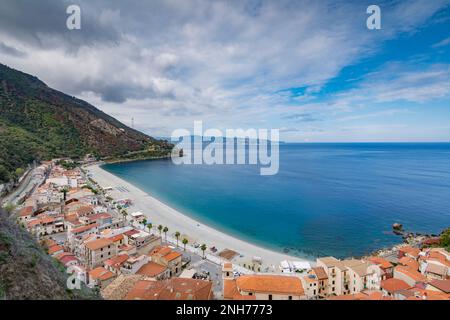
column 270, row 297
column 290, row 297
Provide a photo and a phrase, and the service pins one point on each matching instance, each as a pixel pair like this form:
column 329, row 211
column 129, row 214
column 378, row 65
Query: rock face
column 27, row 272
column 37, row 122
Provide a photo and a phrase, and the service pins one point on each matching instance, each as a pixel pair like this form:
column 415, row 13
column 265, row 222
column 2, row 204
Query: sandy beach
column 160, row 213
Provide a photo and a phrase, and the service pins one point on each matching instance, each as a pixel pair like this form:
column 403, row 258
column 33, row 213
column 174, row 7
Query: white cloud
column 172, row 62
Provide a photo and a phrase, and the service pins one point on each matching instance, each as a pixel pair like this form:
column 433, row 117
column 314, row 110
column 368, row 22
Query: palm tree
column 185, row 242
column 64, row 192
column 149, row 226
column 177, row 235
column 165, row 232
column 203, row 248
column 160, row 227
column 144, row 222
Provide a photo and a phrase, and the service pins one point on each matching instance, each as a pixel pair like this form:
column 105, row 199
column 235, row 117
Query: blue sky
column 309, row 68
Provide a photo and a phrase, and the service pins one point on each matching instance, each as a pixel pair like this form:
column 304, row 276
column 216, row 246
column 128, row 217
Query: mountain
column 38, row 123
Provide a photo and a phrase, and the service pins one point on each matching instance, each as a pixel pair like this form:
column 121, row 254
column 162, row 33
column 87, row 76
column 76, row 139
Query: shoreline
column 158, row 212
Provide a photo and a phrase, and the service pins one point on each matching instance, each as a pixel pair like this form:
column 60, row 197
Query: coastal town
column 103, row 243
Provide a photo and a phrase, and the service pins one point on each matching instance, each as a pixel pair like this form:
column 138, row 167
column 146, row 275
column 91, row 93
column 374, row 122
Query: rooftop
column 291, row 285
column 98, row 244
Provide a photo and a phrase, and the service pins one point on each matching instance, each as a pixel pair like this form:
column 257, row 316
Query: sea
column 337, row 199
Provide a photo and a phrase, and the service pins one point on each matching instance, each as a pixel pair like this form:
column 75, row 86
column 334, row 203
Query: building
column 100, row 277
column 385, row 265
column 167, row 257
column 392, row 287
column 143, row 241
column 155, row 271
column 439, row 286
column 171, row 289
column 348, row 276
column 98, row 251
column 409, row 275
column 25, row 214
column 115, row 263
column 261, row 287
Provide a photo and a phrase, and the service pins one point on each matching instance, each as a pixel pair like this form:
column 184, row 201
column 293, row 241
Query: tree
column 4, row 174
column 160, row 227
column 18, row 173
column 9, row 207
column 203, row 248
column 185, row 242
column 149, row 226
column 64, row 192
column 445, row 239
column 144, row 222
column 165, row 232
column 177, row 235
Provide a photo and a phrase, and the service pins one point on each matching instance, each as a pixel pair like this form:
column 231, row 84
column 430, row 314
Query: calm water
column 327, row 199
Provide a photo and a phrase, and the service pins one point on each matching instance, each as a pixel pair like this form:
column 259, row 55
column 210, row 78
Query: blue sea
column 327, row 199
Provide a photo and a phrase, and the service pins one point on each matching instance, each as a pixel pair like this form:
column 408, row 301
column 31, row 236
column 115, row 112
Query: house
column 171, row 289
column 310, row 284
column 100, row 277
column 115, row 263
column 25, row 214
column 409, row 275
column 322, row 279
column 142, row 240
column 390, row 287
column 408, row 251
column 439, row 286
column 55, row 250
column 82, row 231
column 436, row 271
column 154, row 271
column 409, row 262
column 97, row 251
column 133, row 264
column 67, row 259
column 385, row 265
column 170, row 258
column 349, row 276
column 366, row 295
column 261, row 286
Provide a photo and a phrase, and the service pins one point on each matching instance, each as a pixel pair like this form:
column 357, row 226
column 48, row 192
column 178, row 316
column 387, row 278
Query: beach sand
column 159, row 213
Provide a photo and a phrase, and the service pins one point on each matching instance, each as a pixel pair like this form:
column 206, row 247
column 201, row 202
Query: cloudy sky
column 309, row 68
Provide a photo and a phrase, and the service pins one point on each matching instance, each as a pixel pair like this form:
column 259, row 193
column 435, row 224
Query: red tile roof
column 392, row 285
column 172, row 289
column 151, row 269
column 289, row 285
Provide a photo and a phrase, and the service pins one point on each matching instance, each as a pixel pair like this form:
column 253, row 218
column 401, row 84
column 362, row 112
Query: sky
column 311, row 69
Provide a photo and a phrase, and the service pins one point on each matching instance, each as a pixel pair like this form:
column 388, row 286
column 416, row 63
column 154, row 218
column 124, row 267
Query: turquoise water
column 327, row 199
